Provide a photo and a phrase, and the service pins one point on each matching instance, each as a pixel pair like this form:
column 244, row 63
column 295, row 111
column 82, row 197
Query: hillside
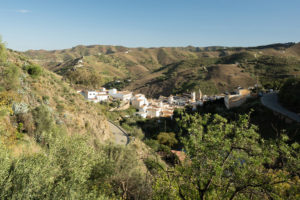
column 31, row 89
column 153, row 70
column 56, row 145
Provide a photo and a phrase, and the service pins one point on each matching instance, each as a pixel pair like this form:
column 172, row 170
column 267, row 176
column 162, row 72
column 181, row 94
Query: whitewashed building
column 95, row 96
column 112, row 91
column 153, row 112
column 122, row 95
column 90, row 94
column 170, row 99
column 142, row 114
column 139, row 100
column 102, row 97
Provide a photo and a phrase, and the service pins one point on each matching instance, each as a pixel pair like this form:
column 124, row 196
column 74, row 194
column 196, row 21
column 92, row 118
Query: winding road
column 271, row 101
column 121, row 137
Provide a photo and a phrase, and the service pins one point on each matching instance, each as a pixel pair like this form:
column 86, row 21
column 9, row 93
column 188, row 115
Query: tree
column 289, row 94
column 167, row 139
column 228, row 160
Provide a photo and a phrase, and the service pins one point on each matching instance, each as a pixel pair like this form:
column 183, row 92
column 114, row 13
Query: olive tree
column 228, row 160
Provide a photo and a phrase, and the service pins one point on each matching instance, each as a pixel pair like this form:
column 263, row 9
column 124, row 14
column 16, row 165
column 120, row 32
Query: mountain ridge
column 107, row 63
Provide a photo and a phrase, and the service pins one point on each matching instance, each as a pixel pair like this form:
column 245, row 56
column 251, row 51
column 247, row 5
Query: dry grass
column 228, row 77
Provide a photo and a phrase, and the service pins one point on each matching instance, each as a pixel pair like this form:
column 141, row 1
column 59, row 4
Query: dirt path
column 121, row 137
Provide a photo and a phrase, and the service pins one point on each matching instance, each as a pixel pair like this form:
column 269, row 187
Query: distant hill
column 165, row 70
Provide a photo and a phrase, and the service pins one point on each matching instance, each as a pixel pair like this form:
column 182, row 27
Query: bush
column 167, row 139
column 10, row 77
column 2, row 51
column 34, row 70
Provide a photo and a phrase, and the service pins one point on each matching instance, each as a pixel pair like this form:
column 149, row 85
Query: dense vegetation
column 289, row 94
column 229, row 160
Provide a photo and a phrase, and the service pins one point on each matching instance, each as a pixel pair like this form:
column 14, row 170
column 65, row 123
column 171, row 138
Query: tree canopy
column 229, row 160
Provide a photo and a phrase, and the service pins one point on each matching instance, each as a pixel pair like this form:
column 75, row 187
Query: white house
column 102, row 89
column 139, row 100
column 95, row 96
column 112, row 91
column 122, row 95
column 171, row 99
column 143, row 108
column 237, row 99
column 102, row 97
column 167, row 113
column 142, row 114
column 153, row 112
column 90, row 94
column 193, row 96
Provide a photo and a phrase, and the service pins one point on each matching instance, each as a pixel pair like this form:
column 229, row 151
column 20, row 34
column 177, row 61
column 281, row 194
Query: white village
column 163, row 106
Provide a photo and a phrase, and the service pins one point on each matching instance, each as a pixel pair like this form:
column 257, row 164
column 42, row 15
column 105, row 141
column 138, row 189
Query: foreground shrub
column 34, row 70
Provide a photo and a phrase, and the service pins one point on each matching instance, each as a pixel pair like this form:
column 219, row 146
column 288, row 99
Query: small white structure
column 122, row 95
column 153, row 112
column 200, row 95
column 95, row 96
column 238, row 99
column 102, row 89
column 170, row 99
column 143, row 108
column 102, row 97
column 161, row 104
column 142, row 114
column 139, row 100
column 193, row 96
column 112, row 91
column 90, row 94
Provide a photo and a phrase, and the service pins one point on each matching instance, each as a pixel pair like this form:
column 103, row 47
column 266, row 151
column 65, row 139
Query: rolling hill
column 169, row 70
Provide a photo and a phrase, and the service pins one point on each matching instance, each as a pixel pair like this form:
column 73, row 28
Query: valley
column 165, row 71
column 108, row 121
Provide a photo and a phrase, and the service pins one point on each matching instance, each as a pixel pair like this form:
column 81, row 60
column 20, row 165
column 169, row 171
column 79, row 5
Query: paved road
column 121, row 137
column 271, row 101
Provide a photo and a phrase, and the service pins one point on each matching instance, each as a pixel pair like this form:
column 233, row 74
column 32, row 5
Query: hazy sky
column 57, row 24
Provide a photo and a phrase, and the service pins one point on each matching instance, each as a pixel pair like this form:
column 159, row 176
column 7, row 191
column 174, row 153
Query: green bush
column 34, row 70
column 10, row 77
column 2, row 52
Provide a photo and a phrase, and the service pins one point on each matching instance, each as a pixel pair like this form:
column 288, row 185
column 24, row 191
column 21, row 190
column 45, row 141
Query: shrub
column 2, row 51
column 167, row 139
column 34, row 70
column 10, row 77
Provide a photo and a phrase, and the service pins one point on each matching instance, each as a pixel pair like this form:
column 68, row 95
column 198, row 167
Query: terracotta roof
column 167, row 112
column 180, row 154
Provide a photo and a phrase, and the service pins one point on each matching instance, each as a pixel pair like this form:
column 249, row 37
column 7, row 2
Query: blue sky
column 58, row 24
